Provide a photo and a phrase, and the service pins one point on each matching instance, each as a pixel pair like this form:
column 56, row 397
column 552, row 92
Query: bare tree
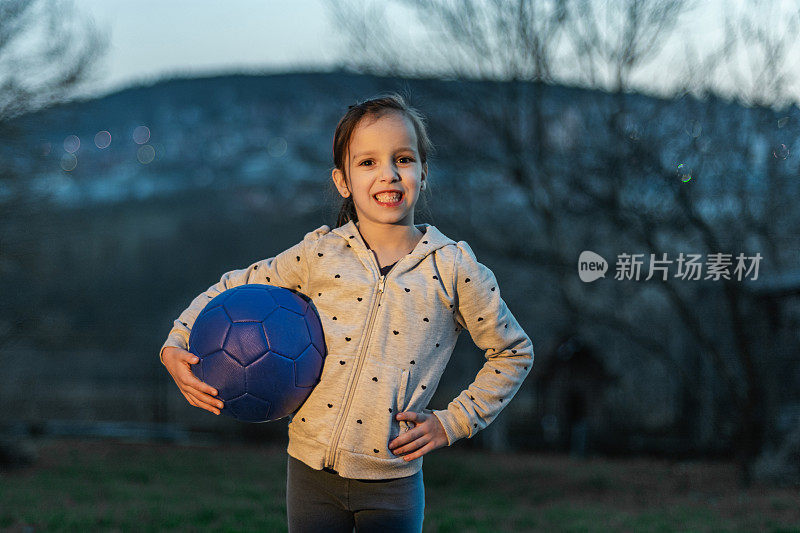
column 46, row 55
column 613, row 166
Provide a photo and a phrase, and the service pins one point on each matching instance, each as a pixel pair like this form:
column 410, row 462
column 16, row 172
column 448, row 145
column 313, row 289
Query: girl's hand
column 196, row 392
column 427, row 435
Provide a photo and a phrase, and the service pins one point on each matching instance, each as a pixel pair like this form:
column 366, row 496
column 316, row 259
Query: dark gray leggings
column 319, row 500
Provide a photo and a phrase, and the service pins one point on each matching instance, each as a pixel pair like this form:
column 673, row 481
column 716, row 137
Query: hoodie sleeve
column 288, row 269
column 508, row 349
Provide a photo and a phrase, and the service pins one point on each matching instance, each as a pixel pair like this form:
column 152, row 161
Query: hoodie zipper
column 330, row 460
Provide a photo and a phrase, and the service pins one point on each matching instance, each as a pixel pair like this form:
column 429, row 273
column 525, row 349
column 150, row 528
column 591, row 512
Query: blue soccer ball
column 262, row 348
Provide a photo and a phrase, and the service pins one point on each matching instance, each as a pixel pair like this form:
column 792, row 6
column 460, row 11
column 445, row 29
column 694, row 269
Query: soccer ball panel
column 217, row 300
column 223, row 373
column 314, row 326
column 272, row 378
column 248, row 408
column 308, row 367
column 289, row 300
column 246, row 342
column 250, row 304
column 286, row 333
column 209, row 331
column 266, row 376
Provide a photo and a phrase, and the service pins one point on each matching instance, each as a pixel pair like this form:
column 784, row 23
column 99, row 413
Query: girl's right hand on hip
column 197, row 393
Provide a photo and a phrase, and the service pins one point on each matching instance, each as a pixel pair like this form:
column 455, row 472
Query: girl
column 393, row 297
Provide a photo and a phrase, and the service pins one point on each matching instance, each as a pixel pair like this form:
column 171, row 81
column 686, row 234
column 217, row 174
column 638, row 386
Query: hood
column 429, row 243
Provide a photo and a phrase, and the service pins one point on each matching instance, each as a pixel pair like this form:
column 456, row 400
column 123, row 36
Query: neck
column 391, row 238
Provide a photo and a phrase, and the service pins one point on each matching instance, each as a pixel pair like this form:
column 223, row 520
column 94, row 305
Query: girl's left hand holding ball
column 427, row 435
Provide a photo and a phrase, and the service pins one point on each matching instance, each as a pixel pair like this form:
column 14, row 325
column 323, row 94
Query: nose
column 389, row 173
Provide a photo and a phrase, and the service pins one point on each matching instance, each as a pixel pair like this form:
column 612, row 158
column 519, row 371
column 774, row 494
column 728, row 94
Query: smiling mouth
column 389, row 199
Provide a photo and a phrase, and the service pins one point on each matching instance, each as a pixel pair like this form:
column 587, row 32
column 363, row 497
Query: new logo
column 591, row 266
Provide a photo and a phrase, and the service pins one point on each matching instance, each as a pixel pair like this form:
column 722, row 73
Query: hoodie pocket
column 316, row 417
column 371, row 423
column 401, row 403
column 401, row 392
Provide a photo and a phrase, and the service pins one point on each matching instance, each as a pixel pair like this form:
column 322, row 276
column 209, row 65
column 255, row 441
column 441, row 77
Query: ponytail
column 347, row 212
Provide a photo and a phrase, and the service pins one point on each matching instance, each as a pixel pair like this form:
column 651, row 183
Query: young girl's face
column 383, row 156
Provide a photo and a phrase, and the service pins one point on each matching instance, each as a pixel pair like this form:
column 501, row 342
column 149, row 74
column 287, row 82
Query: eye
column 409, row 158
column 365, row 161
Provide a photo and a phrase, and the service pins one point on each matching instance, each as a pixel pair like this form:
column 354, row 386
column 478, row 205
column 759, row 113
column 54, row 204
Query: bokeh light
column 102, row 139
column 684, row 172
column 141, row 134
column 781, row 152
column 46, row 148
column 69, row 162
column 277, row 147
column 146, row 154
column 72, row 143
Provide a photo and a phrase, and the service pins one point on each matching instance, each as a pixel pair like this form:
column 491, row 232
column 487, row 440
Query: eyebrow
column 370, row 152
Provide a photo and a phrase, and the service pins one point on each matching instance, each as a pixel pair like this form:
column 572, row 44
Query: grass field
column 86, row 485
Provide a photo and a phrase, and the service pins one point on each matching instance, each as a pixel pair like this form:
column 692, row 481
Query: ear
column 338, row 179
column 424, row 177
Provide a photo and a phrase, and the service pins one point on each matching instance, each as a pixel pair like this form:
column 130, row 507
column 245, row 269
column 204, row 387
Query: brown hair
column 374, row 107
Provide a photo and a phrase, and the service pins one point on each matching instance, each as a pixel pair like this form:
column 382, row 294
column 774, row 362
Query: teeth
column 388, row 197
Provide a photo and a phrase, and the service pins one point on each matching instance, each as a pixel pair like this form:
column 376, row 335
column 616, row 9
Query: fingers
column 183, row 375
column 202, row 393
column 188, row 379
column 412, row 416
column 419, row 440
column 429, row 447
column 204, row 388
column 203, row 401
column 196, row 392
column 179, row 354
column 410, row 433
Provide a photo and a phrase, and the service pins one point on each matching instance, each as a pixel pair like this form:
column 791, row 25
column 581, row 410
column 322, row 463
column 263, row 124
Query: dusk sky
column 149, row 39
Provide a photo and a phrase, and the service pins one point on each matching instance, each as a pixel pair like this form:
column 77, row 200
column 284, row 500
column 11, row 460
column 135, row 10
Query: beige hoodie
column 388, row 340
